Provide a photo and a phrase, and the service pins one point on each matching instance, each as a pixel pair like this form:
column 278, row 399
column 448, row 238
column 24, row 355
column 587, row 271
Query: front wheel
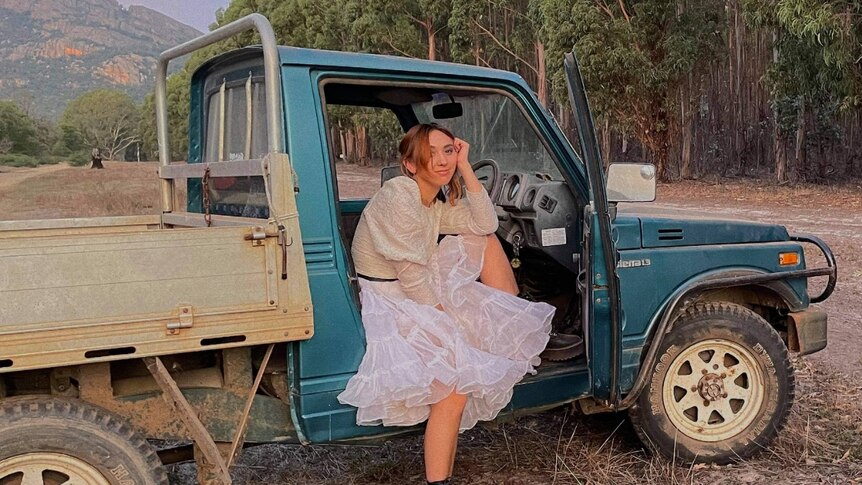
column 721, row 389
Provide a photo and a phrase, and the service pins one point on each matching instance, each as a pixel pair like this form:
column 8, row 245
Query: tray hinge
column 185, row 320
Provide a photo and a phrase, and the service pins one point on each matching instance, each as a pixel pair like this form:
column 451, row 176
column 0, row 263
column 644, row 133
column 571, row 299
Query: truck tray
column 88, row 290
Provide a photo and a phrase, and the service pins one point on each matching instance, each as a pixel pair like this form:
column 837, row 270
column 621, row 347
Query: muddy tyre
column 48, row 440
column 721, row 389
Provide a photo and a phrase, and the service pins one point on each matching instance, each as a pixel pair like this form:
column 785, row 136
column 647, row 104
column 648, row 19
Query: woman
column 441, row 346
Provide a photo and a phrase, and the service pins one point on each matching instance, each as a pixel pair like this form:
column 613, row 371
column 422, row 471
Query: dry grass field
column 822, row 443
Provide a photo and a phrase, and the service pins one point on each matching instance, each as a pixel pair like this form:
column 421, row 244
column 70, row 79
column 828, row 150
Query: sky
column 197, row 13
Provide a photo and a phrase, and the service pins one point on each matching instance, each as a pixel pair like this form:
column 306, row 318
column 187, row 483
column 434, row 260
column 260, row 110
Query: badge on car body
column 634, row 263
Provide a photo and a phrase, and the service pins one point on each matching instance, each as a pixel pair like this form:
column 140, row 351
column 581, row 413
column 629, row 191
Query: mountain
column 52, row 51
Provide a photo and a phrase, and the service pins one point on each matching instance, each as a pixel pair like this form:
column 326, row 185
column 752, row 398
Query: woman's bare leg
column 496, row 269
column 441, row 436
column 441, row 432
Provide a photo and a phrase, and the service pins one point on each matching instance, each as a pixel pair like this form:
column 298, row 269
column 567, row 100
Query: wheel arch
column 697, row 289
column 778, row 296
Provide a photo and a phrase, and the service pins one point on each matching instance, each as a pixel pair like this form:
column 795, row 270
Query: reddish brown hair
column 416, row 148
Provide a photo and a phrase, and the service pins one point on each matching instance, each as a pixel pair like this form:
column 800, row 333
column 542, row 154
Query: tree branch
column 424, row 23
column 604, row 7
column 396, row 49
column 509, row 51
column 623, row 8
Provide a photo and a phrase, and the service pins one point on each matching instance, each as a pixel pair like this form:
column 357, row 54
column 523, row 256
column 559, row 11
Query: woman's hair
column 416, row 148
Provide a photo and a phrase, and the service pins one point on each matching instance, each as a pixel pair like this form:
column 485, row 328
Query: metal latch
column 258, row 234
column 186, row 320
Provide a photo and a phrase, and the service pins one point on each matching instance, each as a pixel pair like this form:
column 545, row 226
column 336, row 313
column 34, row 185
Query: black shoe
column 563, row 346
column 447, row 481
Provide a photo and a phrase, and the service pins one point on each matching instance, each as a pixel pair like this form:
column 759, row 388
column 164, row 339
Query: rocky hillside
column 51, row 51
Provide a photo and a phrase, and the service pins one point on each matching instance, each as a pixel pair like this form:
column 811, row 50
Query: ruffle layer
column 416, row 355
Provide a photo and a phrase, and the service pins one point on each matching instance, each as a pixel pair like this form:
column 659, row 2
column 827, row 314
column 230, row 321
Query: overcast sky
column 197, row 13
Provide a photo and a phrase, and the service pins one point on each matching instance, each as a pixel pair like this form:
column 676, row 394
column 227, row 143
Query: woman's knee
column 496, row 270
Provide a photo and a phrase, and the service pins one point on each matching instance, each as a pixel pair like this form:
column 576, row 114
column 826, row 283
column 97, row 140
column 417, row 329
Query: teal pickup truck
column 232, row 317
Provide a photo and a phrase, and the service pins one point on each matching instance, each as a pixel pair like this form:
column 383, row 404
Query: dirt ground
column 822, row 443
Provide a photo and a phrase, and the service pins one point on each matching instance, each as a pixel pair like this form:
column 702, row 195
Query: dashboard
column 540, row 213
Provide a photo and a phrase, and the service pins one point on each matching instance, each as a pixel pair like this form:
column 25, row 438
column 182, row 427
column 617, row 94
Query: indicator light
column 788, row 259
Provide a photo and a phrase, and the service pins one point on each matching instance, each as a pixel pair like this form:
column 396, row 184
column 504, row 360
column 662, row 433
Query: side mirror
column 631, row 182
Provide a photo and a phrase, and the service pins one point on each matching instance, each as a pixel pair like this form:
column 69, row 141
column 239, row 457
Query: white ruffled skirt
column 416, row 355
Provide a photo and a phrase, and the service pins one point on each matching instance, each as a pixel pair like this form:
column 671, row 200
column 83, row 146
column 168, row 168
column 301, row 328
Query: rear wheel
column 48, row 441
column 722, row 387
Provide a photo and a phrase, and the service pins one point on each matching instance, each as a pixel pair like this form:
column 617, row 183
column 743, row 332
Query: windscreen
column 496, row 128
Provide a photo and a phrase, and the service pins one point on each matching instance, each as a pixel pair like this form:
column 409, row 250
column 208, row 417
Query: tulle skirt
column 481, row 346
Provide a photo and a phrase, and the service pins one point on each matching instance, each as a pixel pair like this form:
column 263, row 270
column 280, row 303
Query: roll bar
column 272, row 82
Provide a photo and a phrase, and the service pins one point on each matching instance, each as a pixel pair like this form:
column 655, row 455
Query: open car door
column 602, row 279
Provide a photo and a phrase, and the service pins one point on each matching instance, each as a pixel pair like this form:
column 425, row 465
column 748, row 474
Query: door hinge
column 185, row 320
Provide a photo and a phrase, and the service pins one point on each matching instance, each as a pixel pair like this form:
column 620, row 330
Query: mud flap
column 806, row 331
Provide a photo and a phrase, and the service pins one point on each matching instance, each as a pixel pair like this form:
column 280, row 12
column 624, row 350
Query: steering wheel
column 493, row 184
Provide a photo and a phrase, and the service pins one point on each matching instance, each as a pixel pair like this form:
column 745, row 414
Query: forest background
column 701, row 88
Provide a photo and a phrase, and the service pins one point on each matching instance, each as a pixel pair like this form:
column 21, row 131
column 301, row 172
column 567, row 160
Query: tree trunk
column 362, row 145
column 342, row 136
column 432, row 40
column 687, row 135
column 606, row 142
column 685, row 120
column 800, row 153
column 542, row 75
column 850, row 151
column 780, row 157
column 350, row 147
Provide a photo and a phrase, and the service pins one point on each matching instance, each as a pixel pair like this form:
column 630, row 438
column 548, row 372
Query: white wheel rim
column 713, row 390
column 49, row 469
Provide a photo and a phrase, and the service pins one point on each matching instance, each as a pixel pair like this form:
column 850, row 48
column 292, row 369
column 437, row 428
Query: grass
column 122, row 188
column 822, row 443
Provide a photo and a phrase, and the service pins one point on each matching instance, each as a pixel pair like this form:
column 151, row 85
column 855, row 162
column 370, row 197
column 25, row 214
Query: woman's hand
column 462, row 148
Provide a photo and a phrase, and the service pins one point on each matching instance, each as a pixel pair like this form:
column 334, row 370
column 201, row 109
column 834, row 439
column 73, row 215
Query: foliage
column 644, row 62
column 106, row 118
column 826, row 34
column 69, row 140
column 18, row 160
column 633, row 56
column 815, row 74
column 18, row 132
column 79, row 158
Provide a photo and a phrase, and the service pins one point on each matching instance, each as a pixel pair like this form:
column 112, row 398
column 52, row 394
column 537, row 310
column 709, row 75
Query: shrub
column 79, row 158
column 18, row 160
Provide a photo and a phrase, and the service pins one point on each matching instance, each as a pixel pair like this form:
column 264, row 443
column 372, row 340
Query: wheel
column 721, row 389
column 494, row 183
column 52, row 441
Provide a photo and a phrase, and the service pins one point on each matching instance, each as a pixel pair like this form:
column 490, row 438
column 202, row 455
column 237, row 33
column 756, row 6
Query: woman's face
column 444, row 158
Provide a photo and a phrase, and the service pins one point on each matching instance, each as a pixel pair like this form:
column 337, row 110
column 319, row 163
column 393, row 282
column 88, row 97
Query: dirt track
column 835, row 219
column 844, row 236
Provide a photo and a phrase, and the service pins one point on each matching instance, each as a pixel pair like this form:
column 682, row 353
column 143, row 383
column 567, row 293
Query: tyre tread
column 725, row 309
column 22, row 407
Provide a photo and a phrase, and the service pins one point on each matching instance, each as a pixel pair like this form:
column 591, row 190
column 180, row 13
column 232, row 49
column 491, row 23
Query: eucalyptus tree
column 108, row 119
column 815, row 74
column 634, row 56
column 18, row 131
column 504, row 34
